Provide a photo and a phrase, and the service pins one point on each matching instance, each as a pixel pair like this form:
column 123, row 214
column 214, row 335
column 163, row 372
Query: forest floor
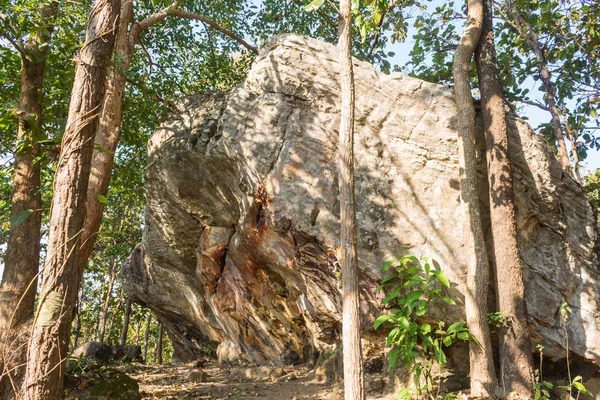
column 293, row 383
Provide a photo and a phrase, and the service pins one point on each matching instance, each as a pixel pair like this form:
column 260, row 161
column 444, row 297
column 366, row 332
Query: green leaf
column 388, row 264
column 549, row 385
column 448, row 300
column 447, row 341
column 579, row 386
column 102, row 199
column 425, row 328
column 442, row 278
column 456, row 327
column 409, row 260
column 22, row 216
column 314, row 5
column 463, row 335
column 413, row 296
column 403, row 323
column 381, row 319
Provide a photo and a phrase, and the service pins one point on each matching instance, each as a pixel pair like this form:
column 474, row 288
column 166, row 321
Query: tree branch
column 214, row 25
column 137, row 27
column 390, row 7
column 535, row 104
column 593, row 100
column 173, row 9
column 17, row 43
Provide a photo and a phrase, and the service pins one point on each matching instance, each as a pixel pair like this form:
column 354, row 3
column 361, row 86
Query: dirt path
column 291, row 383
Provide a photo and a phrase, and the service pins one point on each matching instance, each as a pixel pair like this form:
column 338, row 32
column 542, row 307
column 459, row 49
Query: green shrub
column 417, row 337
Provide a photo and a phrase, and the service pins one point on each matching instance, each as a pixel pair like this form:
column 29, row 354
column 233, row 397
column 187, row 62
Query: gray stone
column 108, row 353
column 242, row 223
column 196, row 375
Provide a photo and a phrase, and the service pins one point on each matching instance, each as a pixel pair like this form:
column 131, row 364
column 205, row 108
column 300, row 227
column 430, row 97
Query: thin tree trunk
column 146, row 336
column 137, row 331
column 482, row 371
column 125, row 329
column 77, row 330
column 62, row 273
column 114, row 317
column 159, row 346
column 107, row 298
column 574, row 147
column 352, row 352
column 21, row 264
column 515, row 346
column 530, row 36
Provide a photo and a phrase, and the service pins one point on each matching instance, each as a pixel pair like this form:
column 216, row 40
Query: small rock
column 289, row 378
column 196, row 375
column 277, row 373
column 375, row 385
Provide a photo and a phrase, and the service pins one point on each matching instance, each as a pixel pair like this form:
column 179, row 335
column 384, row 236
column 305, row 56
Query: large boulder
column 108, row 353
column 242, row 223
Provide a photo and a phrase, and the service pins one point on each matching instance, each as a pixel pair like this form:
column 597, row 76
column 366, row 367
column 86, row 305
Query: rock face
column 242, row 222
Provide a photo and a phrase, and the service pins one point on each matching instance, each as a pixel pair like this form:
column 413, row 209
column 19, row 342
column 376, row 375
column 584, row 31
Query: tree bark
column 515, row 347
column 530, row 36
column 107, row 298
column 21, row 264
column 113, row 317
column 146, row 337
column 126, row 314
column 107, row 133
column 62, row 273
column 352, row 352
column 137, row 331
column 482, row 371
column 574, row 145
column 158, row 356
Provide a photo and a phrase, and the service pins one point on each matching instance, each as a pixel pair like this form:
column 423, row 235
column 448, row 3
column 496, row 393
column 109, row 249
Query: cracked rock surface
column 242, row 222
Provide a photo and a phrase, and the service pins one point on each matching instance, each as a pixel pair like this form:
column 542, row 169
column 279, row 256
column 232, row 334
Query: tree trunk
column 352, row 353
column 574, row 145
column 107, row 133
column 146, row 336
column 62, row 273
column 483, row 374
column 109, row 129
column 21, row 264
column 515, row 347
column 125, row 329
column 77, row 329
column 106, row 305
column 137, row 331
column 530, row 36
column 159, row 346
column 113, row 317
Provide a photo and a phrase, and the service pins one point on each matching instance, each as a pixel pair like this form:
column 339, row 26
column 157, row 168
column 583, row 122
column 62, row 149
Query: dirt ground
column 291, row 383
